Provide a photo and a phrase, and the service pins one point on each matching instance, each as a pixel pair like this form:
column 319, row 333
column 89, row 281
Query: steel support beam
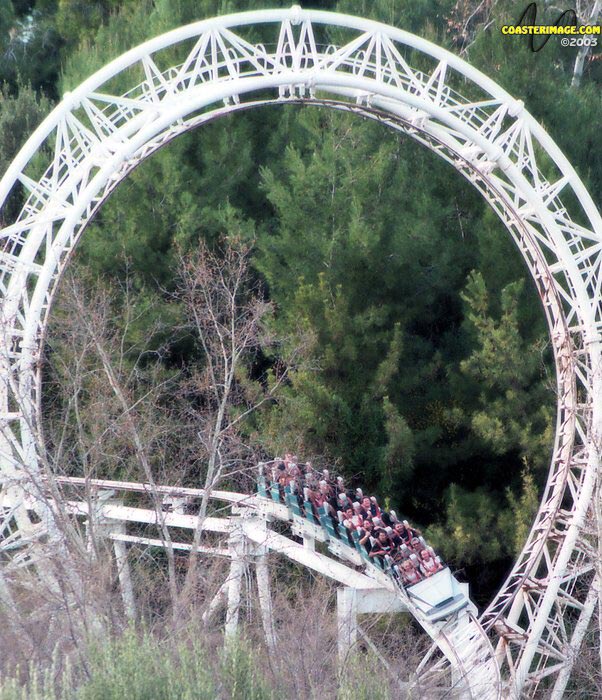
column 235, row 581
column 264, row 594
column 93, row 139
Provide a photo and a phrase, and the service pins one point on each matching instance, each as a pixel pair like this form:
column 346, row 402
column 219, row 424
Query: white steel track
column 196, row 73
column 464, row 665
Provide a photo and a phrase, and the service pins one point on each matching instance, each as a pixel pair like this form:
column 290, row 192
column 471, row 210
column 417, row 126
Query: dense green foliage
column 430, row 376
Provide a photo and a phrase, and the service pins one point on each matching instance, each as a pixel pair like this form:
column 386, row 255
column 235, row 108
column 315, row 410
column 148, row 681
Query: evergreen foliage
column 430, row 376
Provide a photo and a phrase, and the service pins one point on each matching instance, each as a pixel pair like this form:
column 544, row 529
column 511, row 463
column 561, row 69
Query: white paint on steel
column 155, row 542
column 94, row 138
column 264, row 596
column 332, row 569
column 151, row 489
column 119, row 513
column 125, row 577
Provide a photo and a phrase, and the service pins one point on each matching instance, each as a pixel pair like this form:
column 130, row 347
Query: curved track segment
column 468, row 657
column 96, row 136
column 461, row 661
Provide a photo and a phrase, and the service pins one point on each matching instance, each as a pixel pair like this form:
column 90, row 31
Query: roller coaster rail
column 95, row 137
column 461, row 658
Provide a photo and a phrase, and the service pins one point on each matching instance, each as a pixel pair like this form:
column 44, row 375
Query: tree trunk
column 584, row 51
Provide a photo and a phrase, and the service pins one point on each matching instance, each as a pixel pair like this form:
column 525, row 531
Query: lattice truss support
column 459, row 664
column 197, row 73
